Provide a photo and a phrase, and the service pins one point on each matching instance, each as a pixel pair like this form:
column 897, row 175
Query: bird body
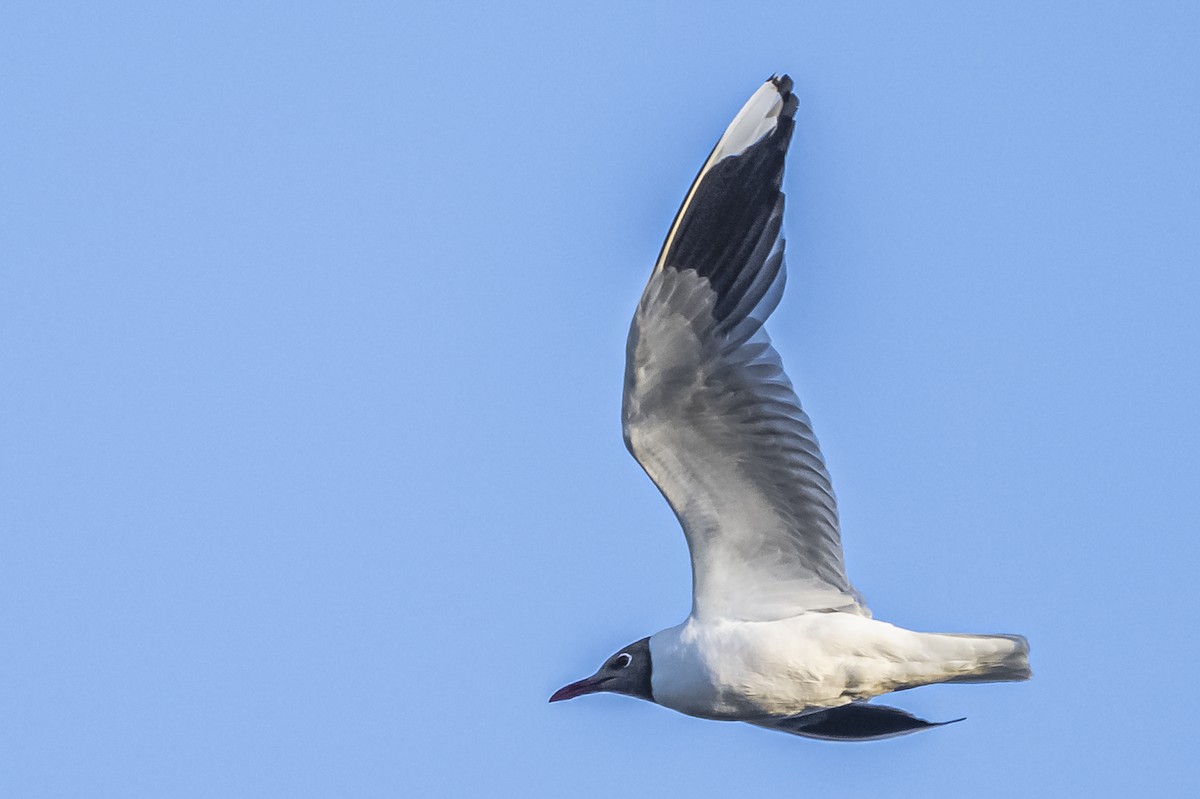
column 777, row 635
column 737, row 671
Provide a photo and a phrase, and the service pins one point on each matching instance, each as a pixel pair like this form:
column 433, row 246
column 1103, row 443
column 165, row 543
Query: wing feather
column 709, row 412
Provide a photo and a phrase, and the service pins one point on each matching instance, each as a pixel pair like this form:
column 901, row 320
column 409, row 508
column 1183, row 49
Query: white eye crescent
column 622, row 660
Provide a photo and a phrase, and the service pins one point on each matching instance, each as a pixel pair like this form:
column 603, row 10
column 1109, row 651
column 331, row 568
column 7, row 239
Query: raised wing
column 708, row 411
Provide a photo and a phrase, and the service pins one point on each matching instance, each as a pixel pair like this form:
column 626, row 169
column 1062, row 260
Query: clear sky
column 312, row 328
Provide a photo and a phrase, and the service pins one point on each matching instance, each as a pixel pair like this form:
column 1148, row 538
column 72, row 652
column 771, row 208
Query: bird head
column 626, row 672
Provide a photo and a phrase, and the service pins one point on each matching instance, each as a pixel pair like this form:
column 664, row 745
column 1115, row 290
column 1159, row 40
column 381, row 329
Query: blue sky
column 313, row 322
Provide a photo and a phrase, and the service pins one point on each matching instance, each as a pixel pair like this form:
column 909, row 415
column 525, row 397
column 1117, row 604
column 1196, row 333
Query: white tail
column 995, row 658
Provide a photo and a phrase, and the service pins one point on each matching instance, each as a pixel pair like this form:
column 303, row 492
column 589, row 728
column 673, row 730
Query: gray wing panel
column 721, row 433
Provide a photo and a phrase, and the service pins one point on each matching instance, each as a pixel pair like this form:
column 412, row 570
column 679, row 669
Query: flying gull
column 777, row 635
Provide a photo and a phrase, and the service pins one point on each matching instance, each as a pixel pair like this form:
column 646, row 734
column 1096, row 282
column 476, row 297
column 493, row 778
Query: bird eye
column 622, row 660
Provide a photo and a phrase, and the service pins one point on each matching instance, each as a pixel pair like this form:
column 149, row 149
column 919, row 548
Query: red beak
column 590, row 685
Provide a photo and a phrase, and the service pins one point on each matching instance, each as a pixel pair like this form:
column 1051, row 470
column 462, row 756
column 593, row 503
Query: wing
column 708, row 411
column 857, row 721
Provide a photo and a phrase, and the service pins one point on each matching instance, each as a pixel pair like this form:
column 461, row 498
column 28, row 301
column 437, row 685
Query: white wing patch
column 755, row 120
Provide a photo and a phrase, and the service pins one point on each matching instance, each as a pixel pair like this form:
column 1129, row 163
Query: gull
column 777, row 635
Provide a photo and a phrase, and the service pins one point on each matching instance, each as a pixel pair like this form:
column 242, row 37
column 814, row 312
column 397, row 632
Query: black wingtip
column 783, row 84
